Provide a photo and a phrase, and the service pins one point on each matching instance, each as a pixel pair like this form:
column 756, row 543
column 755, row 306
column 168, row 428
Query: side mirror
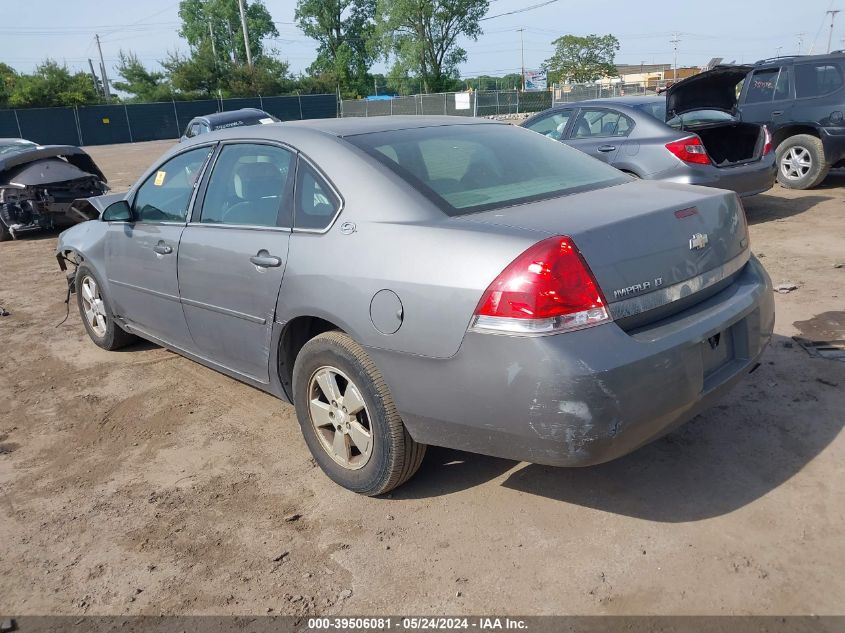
column 117, row 212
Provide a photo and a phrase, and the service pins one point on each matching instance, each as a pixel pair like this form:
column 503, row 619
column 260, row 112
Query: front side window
column 166, row 194
column 469, row 168
column 761, row 87
column 600, row 123
column 247, row 186
column 551, row 125
column 815, row 80
column 316, row 204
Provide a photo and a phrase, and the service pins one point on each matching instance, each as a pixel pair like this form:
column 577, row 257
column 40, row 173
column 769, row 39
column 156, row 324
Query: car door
column 599, row 132
column 767, row 96
column 551, row 124
column 141, row 254
column 233, row 254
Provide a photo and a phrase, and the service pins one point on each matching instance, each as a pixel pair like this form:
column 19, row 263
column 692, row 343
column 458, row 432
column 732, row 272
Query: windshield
column 656, row 109
column 7, row 148
column 468, row 168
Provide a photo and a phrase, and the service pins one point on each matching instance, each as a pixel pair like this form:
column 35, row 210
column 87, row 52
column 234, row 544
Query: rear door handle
column 162, row 249
column 777, row 112
column 263, row 259
column 607, row 148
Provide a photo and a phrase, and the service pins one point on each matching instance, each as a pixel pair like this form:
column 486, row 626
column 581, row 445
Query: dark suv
column 801, row 100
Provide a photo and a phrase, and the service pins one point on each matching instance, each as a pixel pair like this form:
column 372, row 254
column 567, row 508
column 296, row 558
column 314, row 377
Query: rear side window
column 761, row 86
column 599, row 123
column 247, row 186
column 316, row 203
column 468, row 168
column 815, row 80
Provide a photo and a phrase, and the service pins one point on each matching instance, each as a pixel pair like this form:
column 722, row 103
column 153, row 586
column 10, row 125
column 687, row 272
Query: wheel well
column 791, row 130
column 295, row 335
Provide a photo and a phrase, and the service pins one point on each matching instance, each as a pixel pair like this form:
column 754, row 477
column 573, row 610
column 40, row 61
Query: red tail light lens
column 689, row 150
column 547, row 289
column 767, row 144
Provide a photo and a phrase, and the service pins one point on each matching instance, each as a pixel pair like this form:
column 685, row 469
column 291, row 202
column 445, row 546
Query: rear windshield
column 469, row 168
column 657, row 109
column 16, row 147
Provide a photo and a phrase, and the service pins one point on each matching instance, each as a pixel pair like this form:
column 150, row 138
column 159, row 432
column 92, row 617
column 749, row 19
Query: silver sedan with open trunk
column 407, row 281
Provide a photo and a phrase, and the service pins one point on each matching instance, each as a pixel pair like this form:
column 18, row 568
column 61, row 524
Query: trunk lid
column 714, row 89
column 643, row 237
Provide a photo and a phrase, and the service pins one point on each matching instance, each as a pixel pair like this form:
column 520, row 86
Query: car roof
column 629, row 101
column 800, row 58
column 218, row 118
column 350, row 126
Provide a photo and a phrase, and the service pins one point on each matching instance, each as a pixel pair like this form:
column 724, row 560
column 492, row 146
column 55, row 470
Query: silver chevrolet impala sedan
column 407, row 281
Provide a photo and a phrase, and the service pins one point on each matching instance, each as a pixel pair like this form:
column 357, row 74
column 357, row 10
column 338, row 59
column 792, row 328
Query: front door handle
column 607, row 148
column 162, row 249
column 777, row 112
column 263, row 259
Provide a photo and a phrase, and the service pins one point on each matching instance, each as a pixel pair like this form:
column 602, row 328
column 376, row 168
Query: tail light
column 767, row 144
column 547, row 289
column 689, row 150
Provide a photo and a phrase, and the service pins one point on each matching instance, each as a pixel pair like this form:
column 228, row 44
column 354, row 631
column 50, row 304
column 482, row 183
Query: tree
column 143, row 84
column 343, row 30
column 225, row 20
column 52, row 85
column 422, row 36
column 8, row 79
column 582, row 59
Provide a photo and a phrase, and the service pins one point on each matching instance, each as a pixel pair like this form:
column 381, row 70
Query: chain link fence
column 492, row 102
column 136, row 122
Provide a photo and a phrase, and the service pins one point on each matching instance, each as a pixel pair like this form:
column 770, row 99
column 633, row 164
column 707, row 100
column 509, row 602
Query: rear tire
column 801, row 162
column 348, row 417
column 96, row 312
column 5, row 233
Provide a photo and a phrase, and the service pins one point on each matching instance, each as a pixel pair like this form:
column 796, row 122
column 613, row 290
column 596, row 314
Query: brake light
column 689, row 150
column 547, row 289
column 767, row 144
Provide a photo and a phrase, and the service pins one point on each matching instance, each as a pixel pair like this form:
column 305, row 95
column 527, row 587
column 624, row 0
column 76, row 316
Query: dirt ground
column 138, row 482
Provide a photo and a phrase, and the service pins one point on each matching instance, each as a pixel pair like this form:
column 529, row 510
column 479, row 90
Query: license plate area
column 717, row 351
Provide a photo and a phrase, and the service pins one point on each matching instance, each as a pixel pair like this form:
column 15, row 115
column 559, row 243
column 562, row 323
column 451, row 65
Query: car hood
column 73, row 155
column 713, row 89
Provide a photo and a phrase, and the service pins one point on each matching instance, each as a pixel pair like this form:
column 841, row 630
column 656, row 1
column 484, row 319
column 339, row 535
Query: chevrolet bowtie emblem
column 698, row 241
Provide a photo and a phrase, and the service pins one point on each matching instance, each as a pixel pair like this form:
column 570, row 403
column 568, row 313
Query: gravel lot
column 138, row 482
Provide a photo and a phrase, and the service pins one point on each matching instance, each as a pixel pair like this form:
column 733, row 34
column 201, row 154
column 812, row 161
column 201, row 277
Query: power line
column 523, row 10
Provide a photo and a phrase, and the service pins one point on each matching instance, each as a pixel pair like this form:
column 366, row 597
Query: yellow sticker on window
column 160, row 176
column 106, row 120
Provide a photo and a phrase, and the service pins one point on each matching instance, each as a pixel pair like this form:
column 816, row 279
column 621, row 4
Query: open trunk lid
column 647, row 243
column 714, row 89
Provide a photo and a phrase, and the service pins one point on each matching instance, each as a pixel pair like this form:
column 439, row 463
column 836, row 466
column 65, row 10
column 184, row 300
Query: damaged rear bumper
column 585, row 397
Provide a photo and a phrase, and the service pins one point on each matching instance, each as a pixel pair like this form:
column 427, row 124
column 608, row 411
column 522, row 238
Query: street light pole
column 522, row 56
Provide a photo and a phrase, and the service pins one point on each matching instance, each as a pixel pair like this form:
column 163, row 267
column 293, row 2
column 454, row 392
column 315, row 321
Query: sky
column 737, row 30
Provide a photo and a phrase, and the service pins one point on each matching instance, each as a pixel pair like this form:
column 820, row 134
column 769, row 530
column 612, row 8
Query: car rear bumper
column 745, row 180
column 833, row 142
column 584, row 397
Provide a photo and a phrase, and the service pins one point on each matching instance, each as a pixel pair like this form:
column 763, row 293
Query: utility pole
column 676, row 37
column 522, row 53
column 232, row 40
column 213, row 45
column 800, row 41
column 246, row 33
column 832, row 15
column 777, row 51
column 106, row 90
column 94, row 77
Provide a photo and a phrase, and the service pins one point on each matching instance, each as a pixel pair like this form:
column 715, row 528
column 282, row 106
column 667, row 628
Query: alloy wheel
column 93, row 306
column 796, row 163
column 340, row 417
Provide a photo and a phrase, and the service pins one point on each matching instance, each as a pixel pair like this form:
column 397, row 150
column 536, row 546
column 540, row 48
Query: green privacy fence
column 132, row 123
column 480, row 103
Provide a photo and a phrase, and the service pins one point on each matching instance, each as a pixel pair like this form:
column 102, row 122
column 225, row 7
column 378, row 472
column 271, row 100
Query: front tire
column 348, row 417
column 96, row 312
column 801, row 162
column 5, row 233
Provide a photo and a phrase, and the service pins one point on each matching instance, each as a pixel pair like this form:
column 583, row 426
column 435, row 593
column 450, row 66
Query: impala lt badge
column 698, row 241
